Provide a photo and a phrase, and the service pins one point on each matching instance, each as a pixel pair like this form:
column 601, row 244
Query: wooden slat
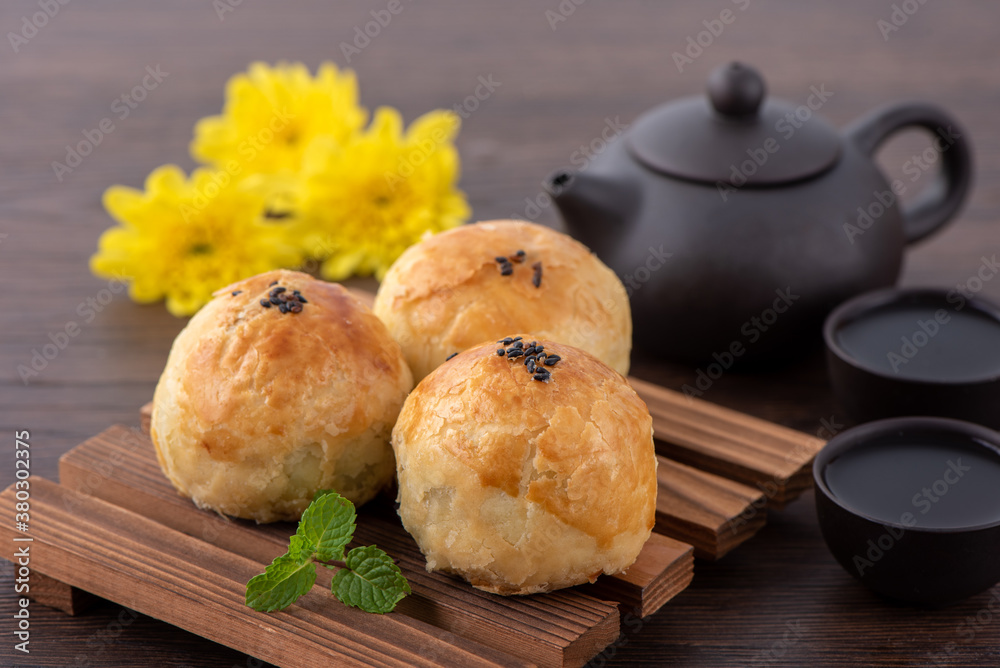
column 562, row 628
column 655, row 570
column 651, row 585
column 59, row 595
column 775, row 459
column 712, row 513
column 138, row 563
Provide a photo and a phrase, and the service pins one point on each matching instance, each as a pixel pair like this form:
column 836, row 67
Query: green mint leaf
column 323, row 492
column 371, row 581
column 281, row 584
column 299, row 548
column 326, row 527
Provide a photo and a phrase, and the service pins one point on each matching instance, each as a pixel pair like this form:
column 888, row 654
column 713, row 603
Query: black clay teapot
column 737, row 222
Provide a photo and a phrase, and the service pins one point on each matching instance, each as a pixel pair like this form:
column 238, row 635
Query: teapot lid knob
column 736, row 90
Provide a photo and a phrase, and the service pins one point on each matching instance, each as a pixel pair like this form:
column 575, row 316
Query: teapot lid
column 736, row 136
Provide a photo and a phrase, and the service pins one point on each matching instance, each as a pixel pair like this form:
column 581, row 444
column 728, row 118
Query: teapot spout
column 592, row 206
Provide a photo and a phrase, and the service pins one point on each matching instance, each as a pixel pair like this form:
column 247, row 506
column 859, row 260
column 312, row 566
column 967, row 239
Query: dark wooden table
column 781, row 599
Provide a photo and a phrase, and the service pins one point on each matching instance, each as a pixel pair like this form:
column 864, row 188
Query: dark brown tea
column 931, row 480
column 923, row 343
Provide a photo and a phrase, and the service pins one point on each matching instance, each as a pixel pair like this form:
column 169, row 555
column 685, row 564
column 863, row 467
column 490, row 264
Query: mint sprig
column 367, row 577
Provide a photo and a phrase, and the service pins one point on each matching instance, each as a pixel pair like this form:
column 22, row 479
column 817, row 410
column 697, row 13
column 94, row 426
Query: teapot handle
column 940, row 201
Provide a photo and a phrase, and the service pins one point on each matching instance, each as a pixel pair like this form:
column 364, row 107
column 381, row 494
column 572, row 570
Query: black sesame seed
column 519, row 344
column 272, row 283
column 518, row 256
column 277, row 291
column 515, row 353
column 517, row 338
column 282, row 308
column 236, row 292
column 296, row 293
column 500, row 258
column 537, row 278
column 275, row 300
column 506, row 270
column 541, row 377
column 539, row 348
column 295, row 307
column 506, row 341
column 531, row 365
column 501, row 352
column 265, row 303
column 550, row 360
column 449, row 357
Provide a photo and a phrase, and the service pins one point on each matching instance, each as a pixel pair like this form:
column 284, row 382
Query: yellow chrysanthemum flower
column 273, row 114
column 184, row 238
column 366, row 201
column 293, row 173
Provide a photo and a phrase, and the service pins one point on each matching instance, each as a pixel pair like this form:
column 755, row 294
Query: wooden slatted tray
column 116, row 528
column 774, row 459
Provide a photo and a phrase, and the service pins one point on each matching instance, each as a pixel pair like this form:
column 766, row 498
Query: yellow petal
column 116, row 239
column 211, row 135
column 340, row 266
column 387, row 125
column 439, row 125
column 165, row 180
column 144, row 291
column 123, row 203
column 184, row 305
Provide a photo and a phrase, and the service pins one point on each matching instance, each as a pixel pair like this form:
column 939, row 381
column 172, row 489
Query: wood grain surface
column 119, row 466
column 780, row 599
column 664, row 562
column 134, row 561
